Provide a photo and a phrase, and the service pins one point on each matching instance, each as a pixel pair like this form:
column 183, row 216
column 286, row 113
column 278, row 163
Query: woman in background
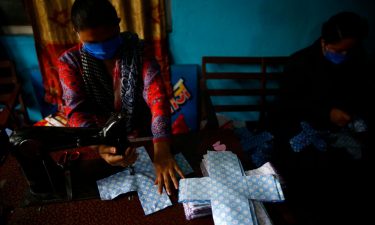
column 327, row 90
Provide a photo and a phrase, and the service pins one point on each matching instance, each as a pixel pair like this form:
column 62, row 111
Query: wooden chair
column 254, row 79
column 10, row 97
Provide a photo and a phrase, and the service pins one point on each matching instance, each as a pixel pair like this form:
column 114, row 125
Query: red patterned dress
column 78, row 107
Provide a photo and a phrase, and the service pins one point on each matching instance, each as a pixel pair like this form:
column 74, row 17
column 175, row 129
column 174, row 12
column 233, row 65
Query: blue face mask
column 336, row 58
column 104, row 50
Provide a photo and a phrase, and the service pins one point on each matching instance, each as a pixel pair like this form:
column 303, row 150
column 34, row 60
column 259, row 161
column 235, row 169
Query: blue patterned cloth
column 141, row 181
column 229, row 190
column 307, row 137
column 358, row 125
column 183, row 164
column 346, row 141
column 258, row 145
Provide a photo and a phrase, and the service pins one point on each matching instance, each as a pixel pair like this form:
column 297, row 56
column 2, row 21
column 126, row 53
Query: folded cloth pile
column 199, row 209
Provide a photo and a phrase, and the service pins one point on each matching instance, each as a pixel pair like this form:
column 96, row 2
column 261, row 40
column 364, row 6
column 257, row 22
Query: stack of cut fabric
column 203, row 208
column 200, row 208
column 197, row 209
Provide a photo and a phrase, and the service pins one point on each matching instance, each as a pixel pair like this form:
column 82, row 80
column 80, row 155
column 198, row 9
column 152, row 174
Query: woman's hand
column 165, row 167
column 339, row 117
column 108, row 153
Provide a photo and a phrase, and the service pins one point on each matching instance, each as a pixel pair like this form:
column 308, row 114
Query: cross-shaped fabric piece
column 307, row 137
column 229, row 190
column 257, row 144
column 203, row 208
column 140, row 178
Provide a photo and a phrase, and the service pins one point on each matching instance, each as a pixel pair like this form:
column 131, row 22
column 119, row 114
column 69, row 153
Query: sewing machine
column 47, row 178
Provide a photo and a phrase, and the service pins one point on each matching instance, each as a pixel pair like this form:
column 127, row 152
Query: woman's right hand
column 108, row 153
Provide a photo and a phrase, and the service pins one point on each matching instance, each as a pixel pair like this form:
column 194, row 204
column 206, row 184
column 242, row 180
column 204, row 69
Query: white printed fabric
column 141, row 181
column 199, row 209
column 229, row 190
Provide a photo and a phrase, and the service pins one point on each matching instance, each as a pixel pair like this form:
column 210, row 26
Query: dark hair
column 344, row 25
column 93, row 13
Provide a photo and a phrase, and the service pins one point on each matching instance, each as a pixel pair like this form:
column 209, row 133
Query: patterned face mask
column 104, row 50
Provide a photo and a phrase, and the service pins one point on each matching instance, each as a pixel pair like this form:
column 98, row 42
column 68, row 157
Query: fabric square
column 149, row 197
column 110, row 187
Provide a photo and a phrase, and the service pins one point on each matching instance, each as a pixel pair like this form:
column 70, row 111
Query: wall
column 21, row 49
column 253, row 27
column 215, row 27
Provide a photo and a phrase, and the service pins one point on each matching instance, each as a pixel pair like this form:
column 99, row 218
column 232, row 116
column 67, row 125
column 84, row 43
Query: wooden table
column 85, row 193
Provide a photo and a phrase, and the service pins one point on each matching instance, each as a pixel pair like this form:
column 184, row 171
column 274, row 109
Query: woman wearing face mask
column 325, row 82
column 110, row 72
column 327, row 86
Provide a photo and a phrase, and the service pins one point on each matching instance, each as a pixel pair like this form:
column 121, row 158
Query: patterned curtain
column 53, row 32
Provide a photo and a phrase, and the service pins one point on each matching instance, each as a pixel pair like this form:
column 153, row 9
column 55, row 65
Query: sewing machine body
column 48, row 179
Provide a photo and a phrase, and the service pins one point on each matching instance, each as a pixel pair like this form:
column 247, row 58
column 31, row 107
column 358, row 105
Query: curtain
column 53, row 32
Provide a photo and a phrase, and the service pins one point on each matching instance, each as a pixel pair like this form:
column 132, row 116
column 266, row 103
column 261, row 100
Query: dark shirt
column 317, row 180
column 313, row 86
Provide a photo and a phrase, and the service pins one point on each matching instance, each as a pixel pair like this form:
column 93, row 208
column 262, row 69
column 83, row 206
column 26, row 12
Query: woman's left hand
column 165, row 167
